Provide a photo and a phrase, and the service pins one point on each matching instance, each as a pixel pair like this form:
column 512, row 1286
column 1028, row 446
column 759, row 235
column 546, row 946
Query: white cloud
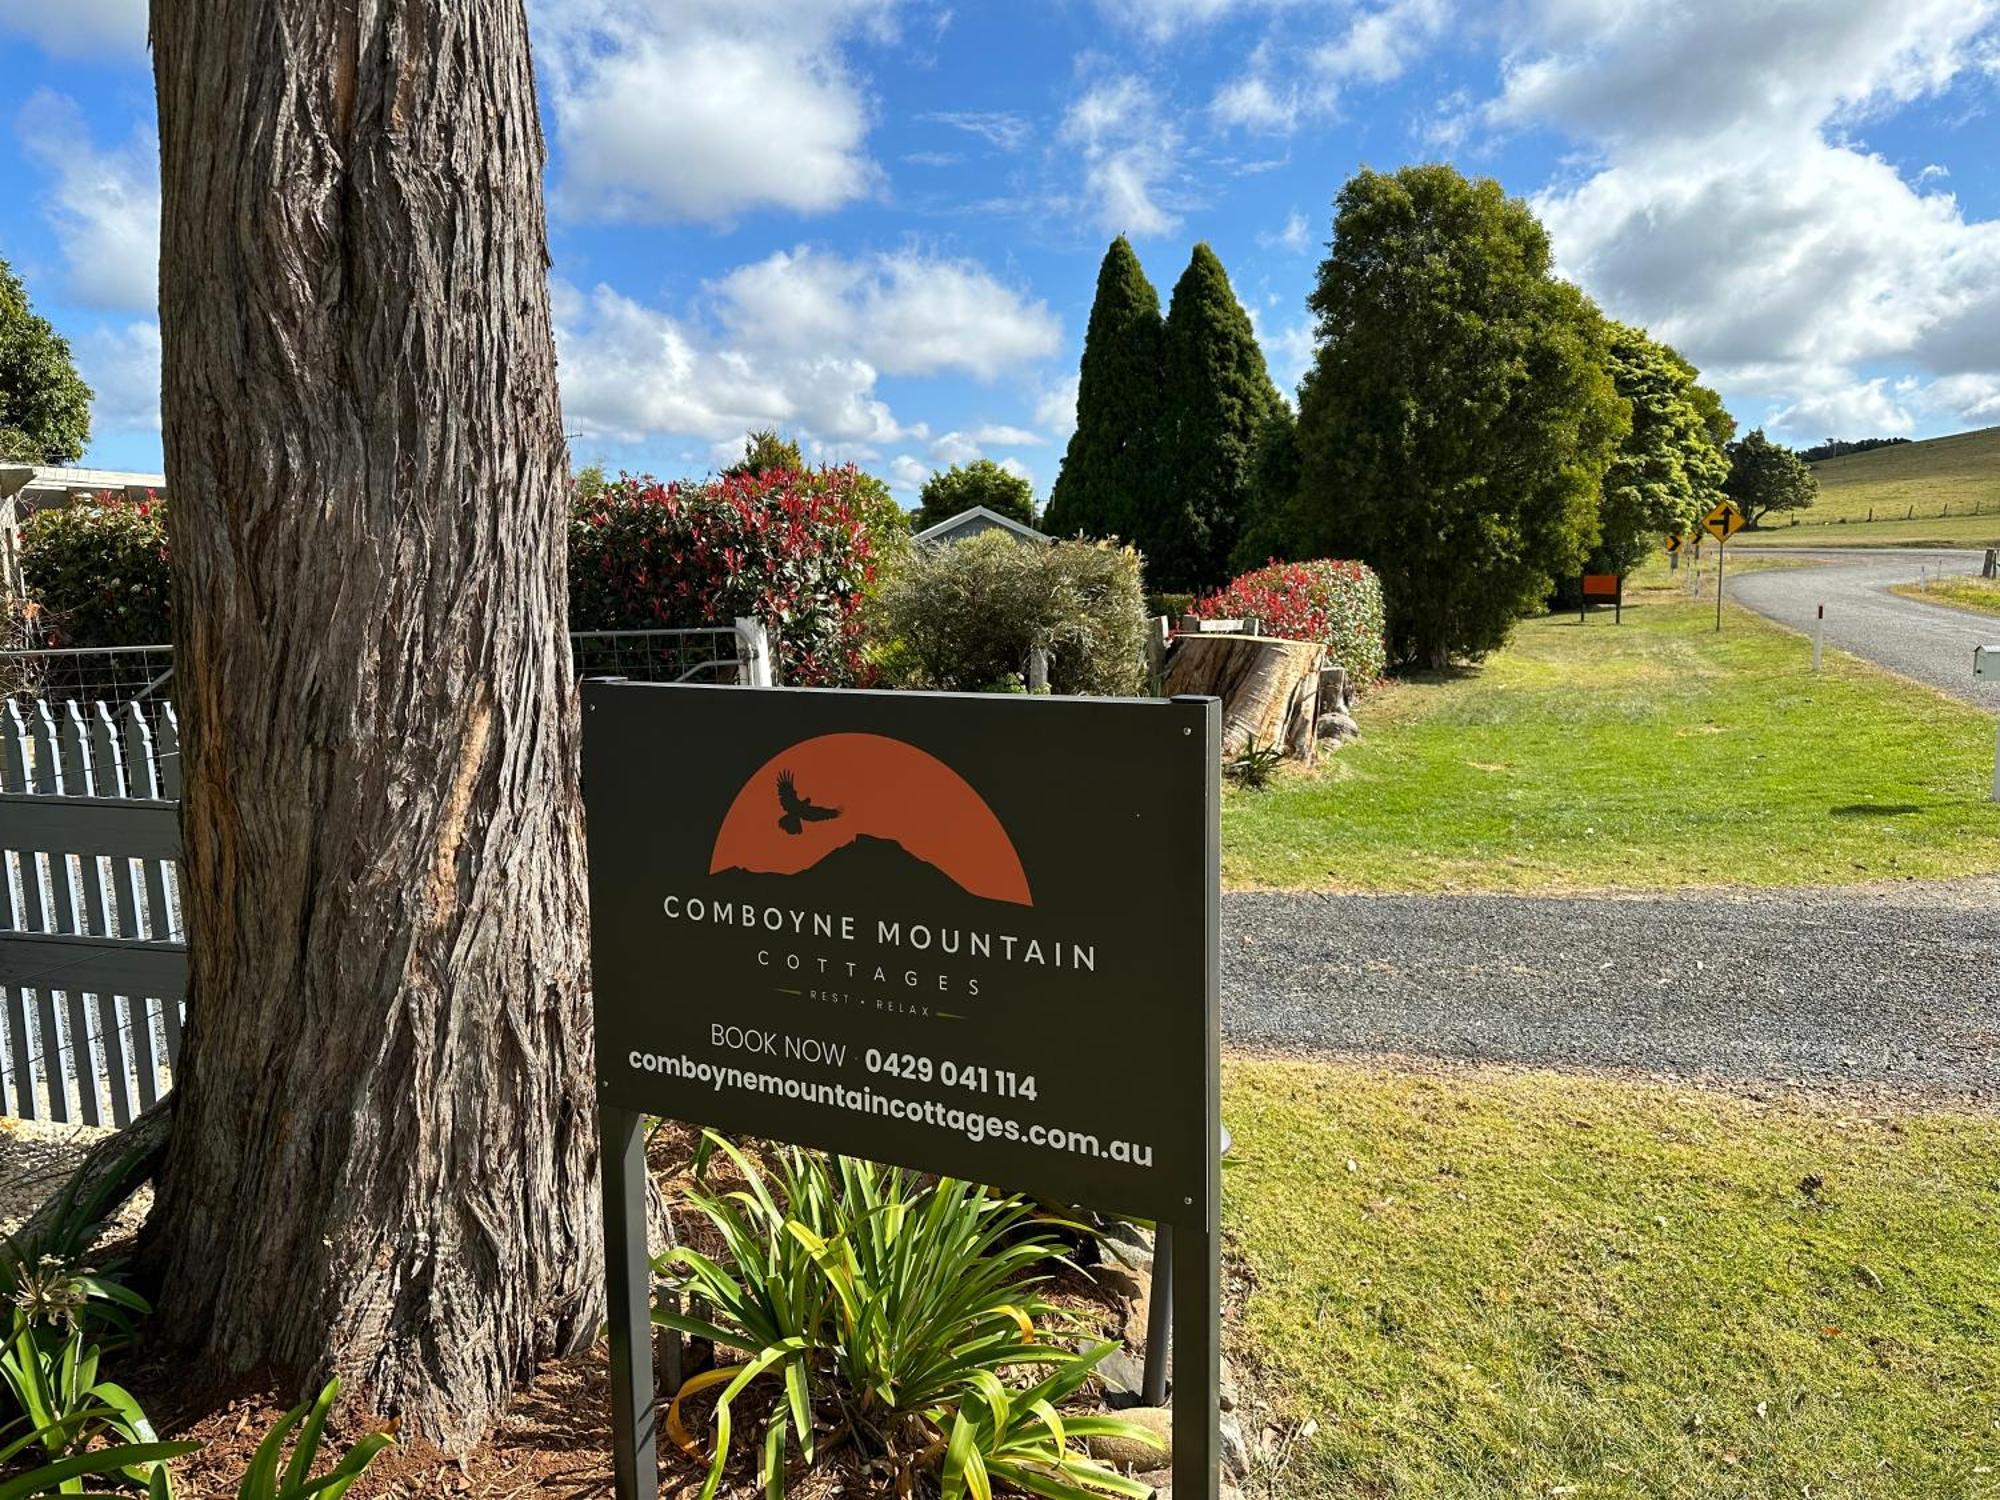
column 122, row 367
column 705, row 108
column 907, row 473
column 797, row 341
column 1055, row 408
column 79, row 28
column 905, row 313
column 1160, row 20
column 1730, row 209
column 1002, row 128
column 104, row 206
column 1000, row 436
column 1019, row 470
column 1280, row 87
column 630, row 372
column 1295, row 236
column 1129, row 152
column 954, row 448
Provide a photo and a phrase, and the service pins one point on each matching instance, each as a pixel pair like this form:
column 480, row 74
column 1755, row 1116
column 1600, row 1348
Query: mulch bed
column 555, row 1440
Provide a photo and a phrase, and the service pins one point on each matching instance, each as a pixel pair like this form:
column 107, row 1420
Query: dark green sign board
column 969, row 934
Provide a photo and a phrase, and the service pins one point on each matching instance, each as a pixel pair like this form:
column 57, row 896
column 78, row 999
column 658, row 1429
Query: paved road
column 1895, row 988
column 1929, row 642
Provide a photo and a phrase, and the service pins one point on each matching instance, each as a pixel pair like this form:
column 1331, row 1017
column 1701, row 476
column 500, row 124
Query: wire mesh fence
column 116, row 675
column 704, row 654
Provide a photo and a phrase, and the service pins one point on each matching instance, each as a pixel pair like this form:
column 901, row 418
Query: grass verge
column 1650, row 754
column 1982, row 594
column 1532, row 1285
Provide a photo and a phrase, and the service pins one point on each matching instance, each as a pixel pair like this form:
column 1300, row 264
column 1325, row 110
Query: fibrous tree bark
column 1269, row 688
column 383, row 1152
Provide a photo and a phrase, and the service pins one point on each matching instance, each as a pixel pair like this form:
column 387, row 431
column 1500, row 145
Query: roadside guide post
column 1722, row 523
column 862, row 922
column 1819, row 638
column 1674, row 553
column 1986, row 664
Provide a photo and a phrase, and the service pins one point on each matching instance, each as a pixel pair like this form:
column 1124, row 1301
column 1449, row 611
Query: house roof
column 942, row 532
column 58, row 478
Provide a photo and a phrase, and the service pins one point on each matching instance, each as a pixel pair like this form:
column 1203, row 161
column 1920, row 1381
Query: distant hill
column 1961, row 471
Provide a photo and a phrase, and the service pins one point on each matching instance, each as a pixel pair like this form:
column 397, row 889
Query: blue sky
column 876, row 223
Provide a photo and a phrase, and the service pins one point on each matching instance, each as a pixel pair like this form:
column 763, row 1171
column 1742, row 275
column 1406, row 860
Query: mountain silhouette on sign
column 867, row 865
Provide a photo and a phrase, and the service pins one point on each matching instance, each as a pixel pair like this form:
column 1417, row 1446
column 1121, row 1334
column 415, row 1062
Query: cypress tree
column 1218, row 397
column 1113, row 456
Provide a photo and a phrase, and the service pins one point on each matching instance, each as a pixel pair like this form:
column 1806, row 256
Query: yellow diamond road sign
column 1674, row 543
column 1723, row 522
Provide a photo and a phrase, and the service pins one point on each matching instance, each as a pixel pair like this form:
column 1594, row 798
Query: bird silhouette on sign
column 799, row 811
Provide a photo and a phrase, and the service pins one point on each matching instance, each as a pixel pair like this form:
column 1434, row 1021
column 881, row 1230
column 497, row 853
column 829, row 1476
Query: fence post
column 755, row 643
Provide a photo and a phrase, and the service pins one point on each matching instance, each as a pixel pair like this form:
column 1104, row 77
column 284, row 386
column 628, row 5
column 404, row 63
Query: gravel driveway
column 1895, row 988
column 1932, row 643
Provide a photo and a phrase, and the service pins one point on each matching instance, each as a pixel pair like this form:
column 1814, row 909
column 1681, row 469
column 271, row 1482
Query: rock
column 1119, row 1282
column 1130, row 1453
column 1124, row 1378
column 1226, row 1393
column 1123, row 1232
column 1337, row 725
column 1235, row 1451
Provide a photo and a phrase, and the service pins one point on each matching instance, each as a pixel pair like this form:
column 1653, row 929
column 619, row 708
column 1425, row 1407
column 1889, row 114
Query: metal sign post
column 1986, row 664
column 1722, row 523
column 871, row 923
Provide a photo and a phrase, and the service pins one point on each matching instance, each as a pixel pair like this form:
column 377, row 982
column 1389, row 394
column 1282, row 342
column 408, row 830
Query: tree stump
column 1269, row 688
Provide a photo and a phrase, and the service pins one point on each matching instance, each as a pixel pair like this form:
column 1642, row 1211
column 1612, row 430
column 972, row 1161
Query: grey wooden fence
column 93, row 957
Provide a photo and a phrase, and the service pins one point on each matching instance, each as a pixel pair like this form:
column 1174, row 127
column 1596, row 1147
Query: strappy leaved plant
column 888, row 1307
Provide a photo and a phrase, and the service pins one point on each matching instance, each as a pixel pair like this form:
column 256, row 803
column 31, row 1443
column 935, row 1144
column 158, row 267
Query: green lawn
column 1528, row 1285
column 1655, row 753
column 1941, row 492
column 1982, row 594
column 1959, row 531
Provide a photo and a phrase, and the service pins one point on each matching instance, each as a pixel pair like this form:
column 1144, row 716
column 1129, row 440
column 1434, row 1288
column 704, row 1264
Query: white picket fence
column 93, row 956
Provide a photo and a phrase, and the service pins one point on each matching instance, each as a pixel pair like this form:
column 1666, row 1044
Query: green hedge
column 98, row 569
column 1338, row 604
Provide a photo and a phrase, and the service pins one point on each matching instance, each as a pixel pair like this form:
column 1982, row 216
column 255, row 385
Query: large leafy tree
column 1219, row 396
column 981, row 482
column 1458, row 419
column 384, row 1151
column 1766, row 478
column 1670, row 467
column 44, row 404
column 1113, row 457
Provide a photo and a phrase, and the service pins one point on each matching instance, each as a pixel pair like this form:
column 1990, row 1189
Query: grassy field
column 1656, row 753
column 1527, row 1285
column 1982, row 594
column 1940, row 492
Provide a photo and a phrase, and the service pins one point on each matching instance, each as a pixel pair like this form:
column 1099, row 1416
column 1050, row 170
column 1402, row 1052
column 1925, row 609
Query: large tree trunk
column 383, row 1153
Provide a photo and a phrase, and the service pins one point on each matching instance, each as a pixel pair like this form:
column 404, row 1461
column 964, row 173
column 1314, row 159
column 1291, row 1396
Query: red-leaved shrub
column 786, row 547
column 1338, row 604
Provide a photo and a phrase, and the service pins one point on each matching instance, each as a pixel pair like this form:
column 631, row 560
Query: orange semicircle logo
column 821, row 794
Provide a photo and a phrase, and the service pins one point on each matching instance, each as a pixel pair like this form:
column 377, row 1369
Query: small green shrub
column 1338, row 604
column 98, row 569
column 53, row 1380
column 1254, row 768
column 965, row 617
column 887, row 1308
